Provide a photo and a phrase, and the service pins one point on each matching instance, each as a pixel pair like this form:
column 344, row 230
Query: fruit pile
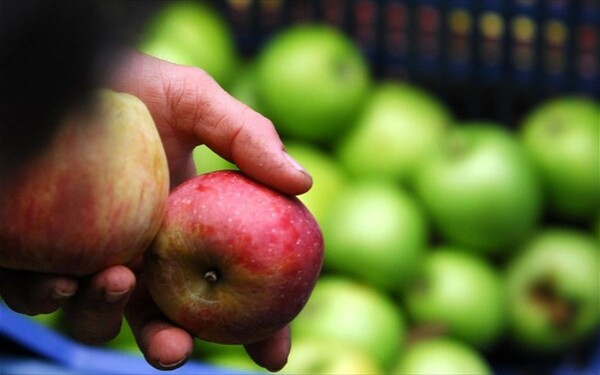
column 451, row 245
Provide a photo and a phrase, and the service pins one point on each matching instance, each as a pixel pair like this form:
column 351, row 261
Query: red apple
column 234, row 261
column 94, row 197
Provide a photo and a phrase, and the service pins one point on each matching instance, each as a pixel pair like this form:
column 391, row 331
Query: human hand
column 189, row 109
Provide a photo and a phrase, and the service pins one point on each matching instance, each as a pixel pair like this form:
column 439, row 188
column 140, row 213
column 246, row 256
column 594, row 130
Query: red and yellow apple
column 94, row 197
column 234, row 261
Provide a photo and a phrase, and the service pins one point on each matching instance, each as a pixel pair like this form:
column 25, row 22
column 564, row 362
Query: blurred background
column 454, row 149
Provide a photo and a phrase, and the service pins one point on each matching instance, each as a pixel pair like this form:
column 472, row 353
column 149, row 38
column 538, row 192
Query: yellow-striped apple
column 94, row 197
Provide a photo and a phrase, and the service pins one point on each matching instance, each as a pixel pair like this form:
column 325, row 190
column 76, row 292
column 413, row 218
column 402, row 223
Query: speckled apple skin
column 265, row 247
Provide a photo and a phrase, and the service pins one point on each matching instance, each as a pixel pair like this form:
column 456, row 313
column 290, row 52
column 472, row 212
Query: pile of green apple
column 446, row 239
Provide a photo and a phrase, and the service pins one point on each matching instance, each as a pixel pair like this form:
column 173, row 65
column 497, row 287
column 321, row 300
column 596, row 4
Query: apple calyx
column 555, row 127
column 212, row 276
column 457, row 147
column 561, row 310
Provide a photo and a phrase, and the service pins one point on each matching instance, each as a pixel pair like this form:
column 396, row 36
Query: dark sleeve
column 52, row 53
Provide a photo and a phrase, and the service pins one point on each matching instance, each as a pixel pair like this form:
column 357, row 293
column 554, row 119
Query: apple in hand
column 93, row 198
column 234, row 261
column 480, row 189
column 563, row 137
column 553, row 288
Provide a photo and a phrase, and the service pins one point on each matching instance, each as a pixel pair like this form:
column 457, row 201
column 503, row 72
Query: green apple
column 204, row 349
column 461, row 294
column 311, row 81
column 243, row 87
column 376, row 232
column 398, row 127
column 441, row 356
column 125, row 340
column 192, row 33
column 563, row 136
column 347, row 312
column 206, row 160
column 316, row 356
column 553, row 290
column 54, row 320
column 480, row 188
column 328, row 177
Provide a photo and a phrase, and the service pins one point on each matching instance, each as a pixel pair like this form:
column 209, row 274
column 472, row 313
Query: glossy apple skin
column 93, row 198
column 264, row 249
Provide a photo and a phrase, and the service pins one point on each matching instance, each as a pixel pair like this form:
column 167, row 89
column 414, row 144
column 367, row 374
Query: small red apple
column 234, row 261
column 93, row 197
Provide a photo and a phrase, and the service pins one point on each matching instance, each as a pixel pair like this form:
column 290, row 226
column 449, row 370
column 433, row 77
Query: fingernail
column 295, row 163
column 170, row 366
column 114, row 297
column 61, row 294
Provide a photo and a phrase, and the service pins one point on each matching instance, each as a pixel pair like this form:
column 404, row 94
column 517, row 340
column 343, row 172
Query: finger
column 190, row 108
column 164, row 345
column 272, row 353
column 239, row 134
column 35, row 293
column 95, row 314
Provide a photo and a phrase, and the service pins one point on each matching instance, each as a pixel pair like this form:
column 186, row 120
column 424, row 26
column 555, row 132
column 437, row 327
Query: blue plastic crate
column 44, row 351
column 487, row 58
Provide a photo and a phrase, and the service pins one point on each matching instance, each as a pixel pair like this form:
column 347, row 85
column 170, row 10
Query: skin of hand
column 189, row 109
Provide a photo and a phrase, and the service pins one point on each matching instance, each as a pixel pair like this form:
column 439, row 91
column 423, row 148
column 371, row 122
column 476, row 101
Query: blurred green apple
column 461, row 294
column 243, row 87
column 192, row 33
column 327, row 174
column 54, row 320
column 204, row 349
column 206, row 160
column 441, row 356
column 563, row 136
column 125, row 340
column 376, row 232
column 345, row 311
column 480, row 188
column 554, row 289
column 311, row 81
column 396, row 130
column 318, row 356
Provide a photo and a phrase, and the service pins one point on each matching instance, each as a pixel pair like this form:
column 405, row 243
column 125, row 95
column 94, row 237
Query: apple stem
column 211, row 276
